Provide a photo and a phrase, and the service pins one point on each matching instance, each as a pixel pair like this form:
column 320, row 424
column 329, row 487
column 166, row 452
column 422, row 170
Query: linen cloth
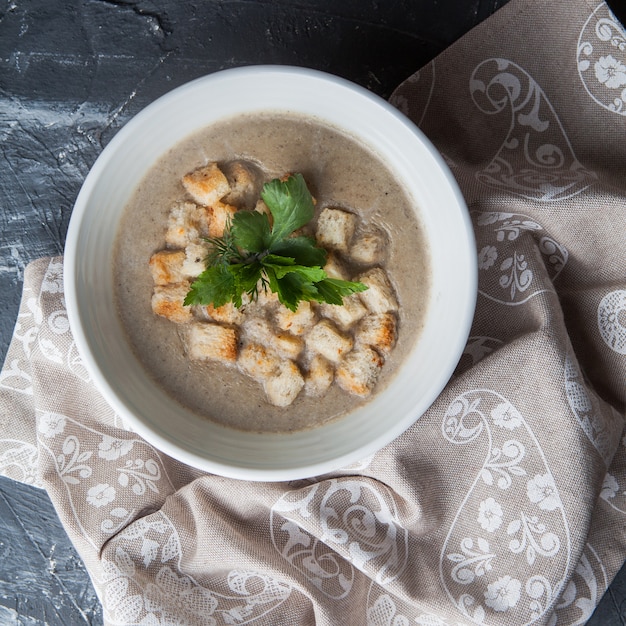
column 506, row 502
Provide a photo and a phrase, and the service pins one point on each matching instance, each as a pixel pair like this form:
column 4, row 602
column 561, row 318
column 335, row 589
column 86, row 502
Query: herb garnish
column 252, row 252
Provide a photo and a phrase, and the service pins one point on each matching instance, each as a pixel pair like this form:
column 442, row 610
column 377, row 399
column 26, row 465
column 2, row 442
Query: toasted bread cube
column 358, row 371
column 369, row 247
column 284, row 344
column 347, row 314
column 298, row 322
column 319, row 376
column 335, row 229
column 263, row 303
column 261, row 207
column 380, row 296
column 258, row 361
column 325, row 339
column 265, row 299
column 282, row 389
column 288, row 345
column 214, row 342
column 186, row 222
column 206, row 185
column 378, row 331
column 195, row 254
column 226, row 314
column 334, row 268
column 166, row 266
column 244, row 182
column 167, row 301
column 220, row 216
column 259, row 330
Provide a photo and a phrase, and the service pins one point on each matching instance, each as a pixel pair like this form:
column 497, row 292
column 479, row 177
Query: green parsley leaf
column 216, row 285
column 292, row 288
column 290, row 203
column 334, row 290
column 253, row 253
column 251, row 231
column 302, row 249
column 246, row 277
column 285, row 265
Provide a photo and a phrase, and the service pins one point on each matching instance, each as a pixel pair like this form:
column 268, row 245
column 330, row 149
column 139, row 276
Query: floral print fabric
column 505, row 503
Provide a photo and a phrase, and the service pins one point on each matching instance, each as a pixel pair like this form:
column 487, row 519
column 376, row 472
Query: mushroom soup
column 324, row 345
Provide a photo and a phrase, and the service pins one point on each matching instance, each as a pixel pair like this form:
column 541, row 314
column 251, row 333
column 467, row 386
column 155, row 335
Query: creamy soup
column 340, row 172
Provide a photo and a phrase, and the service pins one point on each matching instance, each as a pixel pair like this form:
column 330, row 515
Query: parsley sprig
column 255, row 254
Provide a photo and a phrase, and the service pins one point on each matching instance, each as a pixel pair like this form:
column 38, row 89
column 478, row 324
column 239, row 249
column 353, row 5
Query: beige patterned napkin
column 506, row 502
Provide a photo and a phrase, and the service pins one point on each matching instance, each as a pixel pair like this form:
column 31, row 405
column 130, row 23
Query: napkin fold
column 506, row 502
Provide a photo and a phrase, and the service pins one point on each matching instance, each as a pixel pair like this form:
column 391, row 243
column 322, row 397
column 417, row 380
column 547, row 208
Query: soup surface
column 340, row 172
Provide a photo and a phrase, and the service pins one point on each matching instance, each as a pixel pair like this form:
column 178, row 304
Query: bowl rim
column 72, row 283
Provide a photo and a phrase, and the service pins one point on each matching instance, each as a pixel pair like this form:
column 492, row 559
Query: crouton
column 288, row 345
column 207, row 341
column 319, row 376
column 377, row 331
column 244, row 184
column 261, row 207
column 380, row 296
column 266, row 298
column 347, row 314
column 335, row 229
column 284, row 344
column 195, row 254
column 283, row 388
column 167, row 301
column 358, row 371
column 258, row 361
column 166, row 266
column 258, row 329
column 334, row 267
column 298, row 322
column 325, row 339
column 186, row 222
column 369, row 247
column 220, row 215
column 226, row 314
column 206, row 185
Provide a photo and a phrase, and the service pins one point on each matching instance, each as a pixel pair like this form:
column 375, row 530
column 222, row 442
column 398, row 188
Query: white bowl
column 100, row 337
